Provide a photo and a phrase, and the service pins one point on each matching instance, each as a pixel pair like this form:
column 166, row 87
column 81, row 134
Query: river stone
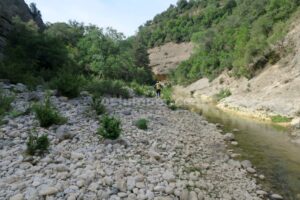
column 132, row 196
column 84, row 93
column 184, row 195
column 140, row 185
column 48, row 190
column 234, row 163
column 122, row 142
column 149, row 195
column 154, row 155
column 251, row 170
column 246, row 164
column 130, row 183
column 169, row 190
column 169, row 176
column 261, row 192
column 193, row 196
column 72, row 196
column 121, row 185
column 17, row 197
column 31, row 193
column 229, row 137
column 77, row 156
column 127, row 112
column 159, row 188
column 63, row 133
column 261, row 177
column 20, row 88
column 33, row 96
column 296, row 123
column 122, row 194
column 276, row 197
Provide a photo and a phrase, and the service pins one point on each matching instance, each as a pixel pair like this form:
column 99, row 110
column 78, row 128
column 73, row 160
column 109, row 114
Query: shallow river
column 267, row 146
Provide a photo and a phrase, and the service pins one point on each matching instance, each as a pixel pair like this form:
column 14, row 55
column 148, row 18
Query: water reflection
column 266, row 145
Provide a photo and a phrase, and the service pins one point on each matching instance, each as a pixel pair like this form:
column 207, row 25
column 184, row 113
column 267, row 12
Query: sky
column 124, row 15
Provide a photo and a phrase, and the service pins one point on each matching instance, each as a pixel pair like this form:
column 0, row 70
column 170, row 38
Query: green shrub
column 223, row 94
column 16, row 113
column 142, row 90
column 5, row 103
column 47, row 115
column 98, row 106
column 67, row 84
column 110, row 128
column 37, row 145
column 172, row 106
column 280, row 119
column 112, row 88
column 167, row 94
column 142, row 124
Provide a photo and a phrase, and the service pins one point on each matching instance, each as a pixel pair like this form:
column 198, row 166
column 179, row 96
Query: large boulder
column 296, row 123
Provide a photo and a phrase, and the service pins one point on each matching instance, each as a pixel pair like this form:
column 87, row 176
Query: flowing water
column 267, row 146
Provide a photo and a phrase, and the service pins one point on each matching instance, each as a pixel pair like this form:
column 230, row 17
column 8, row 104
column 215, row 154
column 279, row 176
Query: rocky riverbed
column 180, row 156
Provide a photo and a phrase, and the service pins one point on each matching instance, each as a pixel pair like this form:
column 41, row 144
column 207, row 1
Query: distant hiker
column 158, row 87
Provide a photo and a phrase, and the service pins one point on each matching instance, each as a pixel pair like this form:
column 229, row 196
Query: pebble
column 276, row 197
column 261, row 192
column 193, row 196
column 48, row 190
column 251, row 170
column 229, row 137
column 261, row 177
column 17, row 197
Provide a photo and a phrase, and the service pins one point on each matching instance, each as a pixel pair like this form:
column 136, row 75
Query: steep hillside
column 10, row 9
column 235, row 35
column 275, row 90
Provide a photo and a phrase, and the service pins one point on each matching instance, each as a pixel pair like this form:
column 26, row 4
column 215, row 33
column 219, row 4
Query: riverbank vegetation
column 72, row 56
column 223, row 94
column 280, row 119
column 237, row 35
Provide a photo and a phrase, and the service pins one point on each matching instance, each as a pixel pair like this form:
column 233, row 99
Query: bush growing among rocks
column 37, row 144
column 142, row 124
column 47, row 115
column 142, row 90
column 97, row 105
column 112, row 88
column 67, row 84
column 5, row 104
column 110, row 128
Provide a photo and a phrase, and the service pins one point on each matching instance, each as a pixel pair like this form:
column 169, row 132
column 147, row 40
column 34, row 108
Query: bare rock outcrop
column 10, row 9
column 165, row 58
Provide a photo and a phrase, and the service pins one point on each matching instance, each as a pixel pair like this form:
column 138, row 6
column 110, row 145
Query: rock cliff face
column 10, row 9
column 165, row 58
